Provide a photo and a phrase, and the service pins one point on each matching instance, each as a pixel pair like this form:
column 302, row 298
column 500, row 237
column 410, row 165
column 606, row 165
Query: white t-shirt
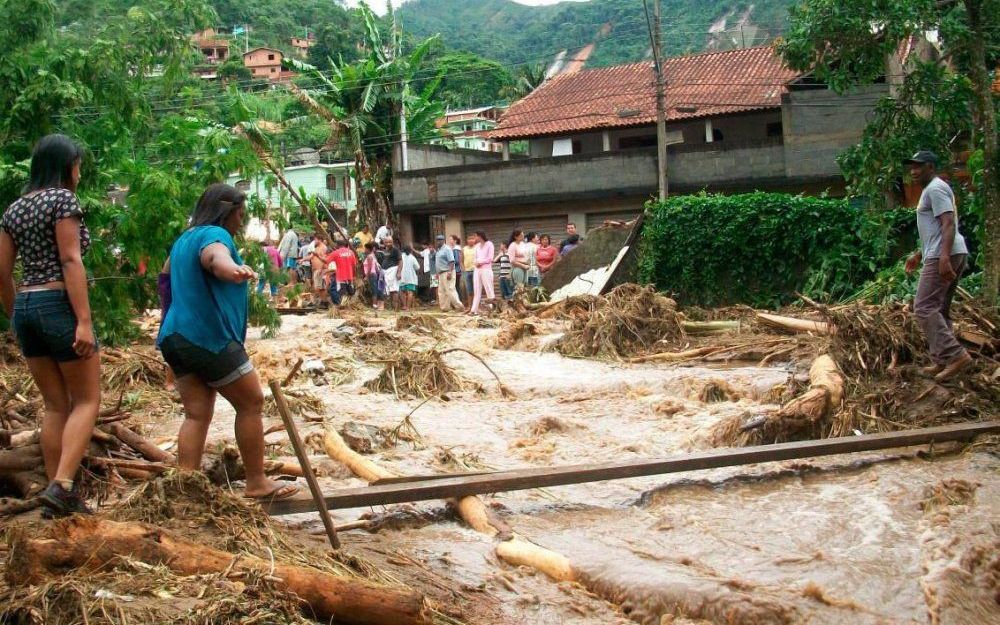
column 937, row 199
column 427, row 259
column 382, row 233
column 410, row 268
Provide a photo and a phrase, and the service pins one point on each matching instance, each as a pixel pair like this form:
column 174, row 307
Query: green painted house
column 331, row 182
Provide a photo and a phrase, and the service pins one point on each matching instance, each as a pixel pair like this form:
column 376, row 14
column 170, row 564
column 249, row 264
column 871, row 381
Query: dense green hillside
column 515, row 33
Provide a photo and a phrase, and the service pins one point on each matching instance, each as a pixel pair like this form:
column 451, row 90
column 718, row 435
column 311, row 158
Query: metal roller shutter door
column 499, row 229
column 597, row 219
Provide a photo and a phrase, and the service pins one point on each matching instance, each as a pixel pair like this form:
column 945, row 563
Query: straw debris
column 416, row 374
column 629, row 321
column 424, row 325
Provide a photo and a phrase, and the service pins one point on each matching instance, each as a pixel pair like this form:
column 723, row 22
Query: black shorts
column 214, row 369
column 45, row 325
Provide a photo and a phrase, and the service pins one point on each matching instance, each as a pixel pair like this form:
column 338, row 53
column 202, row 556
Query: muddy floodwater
column 901, row 536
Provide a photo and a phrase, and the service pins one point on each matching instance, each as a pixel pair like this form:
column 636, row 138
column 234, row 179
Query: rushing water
column 828, row 541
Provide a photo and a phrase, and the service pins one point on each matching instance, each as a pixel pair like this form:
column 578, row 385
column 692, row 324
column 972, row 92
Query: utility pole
column 661, row 100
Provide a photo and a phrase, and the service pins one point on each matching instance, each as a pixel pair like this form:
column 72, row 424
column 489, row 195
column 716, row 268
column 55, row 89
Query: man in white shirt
column 383, row 233
column 943, row 256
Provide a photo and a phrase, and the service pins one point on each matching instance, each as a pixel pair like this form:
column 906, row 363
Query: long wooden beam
column 438, row 487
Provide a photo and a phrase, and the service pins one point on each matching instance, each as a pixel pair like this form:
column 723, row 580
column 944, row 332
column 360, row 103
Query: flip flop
column 283, row 491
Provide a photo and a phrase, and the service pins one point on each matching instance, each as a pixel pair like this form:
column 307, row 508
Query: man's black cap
column 922, row 157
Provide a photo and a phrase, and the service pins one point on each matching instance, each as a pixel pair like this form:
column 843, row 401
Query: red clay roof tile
column 702, row 85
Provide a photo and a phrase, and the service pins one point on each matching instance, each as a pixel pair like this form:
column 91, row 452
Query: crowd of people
column 455, row 276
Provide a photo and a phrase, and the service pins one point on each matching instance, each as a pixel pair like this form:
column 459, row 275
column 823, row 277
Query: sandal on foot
column 283, row 491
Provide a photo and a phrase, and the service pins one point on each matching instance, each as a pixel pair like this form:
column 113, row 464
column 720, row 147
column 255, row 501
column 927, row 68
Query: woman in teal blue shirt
column 203, row 334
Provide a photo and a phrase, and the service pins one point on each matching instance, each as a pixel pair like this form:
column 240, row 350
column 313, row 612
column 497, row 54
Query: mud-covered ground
column 890, row 537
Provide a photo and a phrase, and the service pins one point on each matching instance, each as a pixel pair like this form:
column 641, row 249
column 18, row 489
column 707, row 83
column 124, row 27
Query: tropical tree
column 528, row 78
column 364, row 102
column 847, row 43
column 126, row 94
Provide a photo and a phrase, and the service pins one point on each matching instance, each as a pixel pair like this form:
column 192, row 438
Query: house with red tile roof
column 737, row 121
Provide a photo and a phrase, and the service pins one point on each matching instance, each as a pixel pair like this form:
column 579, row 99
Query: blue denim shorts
column 45, row 325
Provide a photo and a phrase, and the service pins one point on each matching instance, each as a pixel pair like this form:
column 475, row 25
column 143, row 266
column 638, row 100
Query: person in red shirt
column 344, row 262
column 546, row 254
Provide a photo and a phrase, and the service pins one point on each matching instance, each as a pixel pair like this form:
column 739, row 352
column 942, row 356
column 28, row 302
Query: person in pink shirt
column 275, row 258
column 482, row 279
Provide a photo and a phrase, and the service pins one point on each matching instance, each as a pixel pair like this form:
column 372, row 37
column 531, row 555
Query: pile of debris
column 869, row 378
column 410, row 373
column 180, row 550
column 631, row 320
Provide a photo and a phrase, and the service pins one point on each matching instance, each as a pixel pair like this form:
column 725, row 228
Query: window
column 273, row 70
column 716, row 135
column 577, row 146
column 631, row 143
column 243, row 185
column 331, row 182
column 774, row 129
column 270, row 57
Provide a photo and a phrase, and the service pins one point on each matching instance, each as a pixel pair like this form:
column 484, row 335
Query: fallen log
column 20, row 459
column 677, row 356
column 10, row 507
column 796, row 326
column 28, row 483
column 826, row 391
column 702, row 328
column 131, row 465
column 93, row 543
column 148, row 450
column 472, row 510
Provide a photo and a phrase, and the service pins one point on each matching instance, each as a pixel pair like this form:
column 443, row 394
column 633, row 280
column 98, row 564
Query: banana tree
column 364, row 102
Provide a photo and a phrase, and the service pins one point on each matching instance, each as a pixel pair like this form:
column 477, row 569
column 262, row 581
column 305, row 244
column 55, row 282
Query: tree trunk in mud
column 793, row 325
column 94, row 543
column 512, row 549
column 826, row 391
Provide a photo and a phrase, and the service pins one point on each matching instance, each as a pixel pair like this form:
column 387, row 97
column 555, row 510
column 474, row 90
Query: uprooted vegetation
column 629, row 321
column 411, row 373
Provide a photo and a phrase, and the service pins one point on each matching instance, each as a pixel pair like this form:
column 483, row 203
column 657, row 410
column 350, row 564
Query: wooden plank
column 300, row 451
column 523, row 479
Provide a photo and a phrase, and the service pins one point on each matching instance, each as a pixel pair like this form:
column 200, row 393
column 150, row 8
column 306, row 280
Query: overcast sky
column 379, row 5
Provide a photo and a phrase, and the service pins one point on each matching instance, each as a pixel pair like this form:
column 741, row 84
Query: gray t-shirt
column 936, row 200
column 444, row 259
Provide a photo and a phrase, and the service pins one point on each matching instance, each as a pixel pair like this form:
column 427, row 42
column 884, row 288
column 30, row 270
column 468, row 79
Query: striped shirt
column 505, row 266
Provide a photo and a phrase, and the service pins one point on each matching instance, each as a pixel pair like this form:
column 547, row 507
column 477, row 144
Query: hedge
column 760, row 248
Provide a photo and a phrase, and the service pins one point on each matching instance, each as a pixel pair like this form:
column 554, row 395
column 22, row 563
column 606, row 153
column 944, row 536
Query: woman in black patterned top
column 44, row 230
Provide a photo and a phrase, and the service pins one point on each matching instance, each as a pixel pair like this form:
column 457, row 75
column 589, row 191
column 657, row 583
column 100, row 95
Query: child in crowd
column 506, row 282
column 408, row 277
column 373, row 273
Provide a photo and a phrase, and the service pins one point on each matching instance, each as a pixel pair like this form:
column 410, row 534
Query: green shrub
column 760, row 248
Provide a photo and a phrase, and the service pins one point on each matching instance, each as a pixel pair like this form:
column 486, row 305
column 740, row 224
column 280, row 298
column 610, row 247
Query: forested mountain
column 514, row 33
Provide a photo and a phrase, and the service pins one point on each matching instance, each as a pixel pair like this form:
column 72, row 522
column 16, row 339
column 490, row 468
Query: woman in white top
column 518, row 249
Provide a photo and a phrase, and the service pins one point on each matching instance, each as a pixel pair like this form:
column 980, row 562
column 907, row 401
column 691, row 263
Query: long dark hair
column 513, row 235
column 216, row 204
column 52, row 163
column 482, row 235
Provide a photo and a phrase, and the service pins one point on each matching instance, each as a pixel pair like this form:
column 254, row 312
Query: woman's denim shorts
column 45, row 325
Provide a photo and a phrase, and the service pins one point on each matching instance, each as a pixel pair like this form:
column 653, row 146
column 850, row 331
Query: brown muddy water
column 898, row 537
